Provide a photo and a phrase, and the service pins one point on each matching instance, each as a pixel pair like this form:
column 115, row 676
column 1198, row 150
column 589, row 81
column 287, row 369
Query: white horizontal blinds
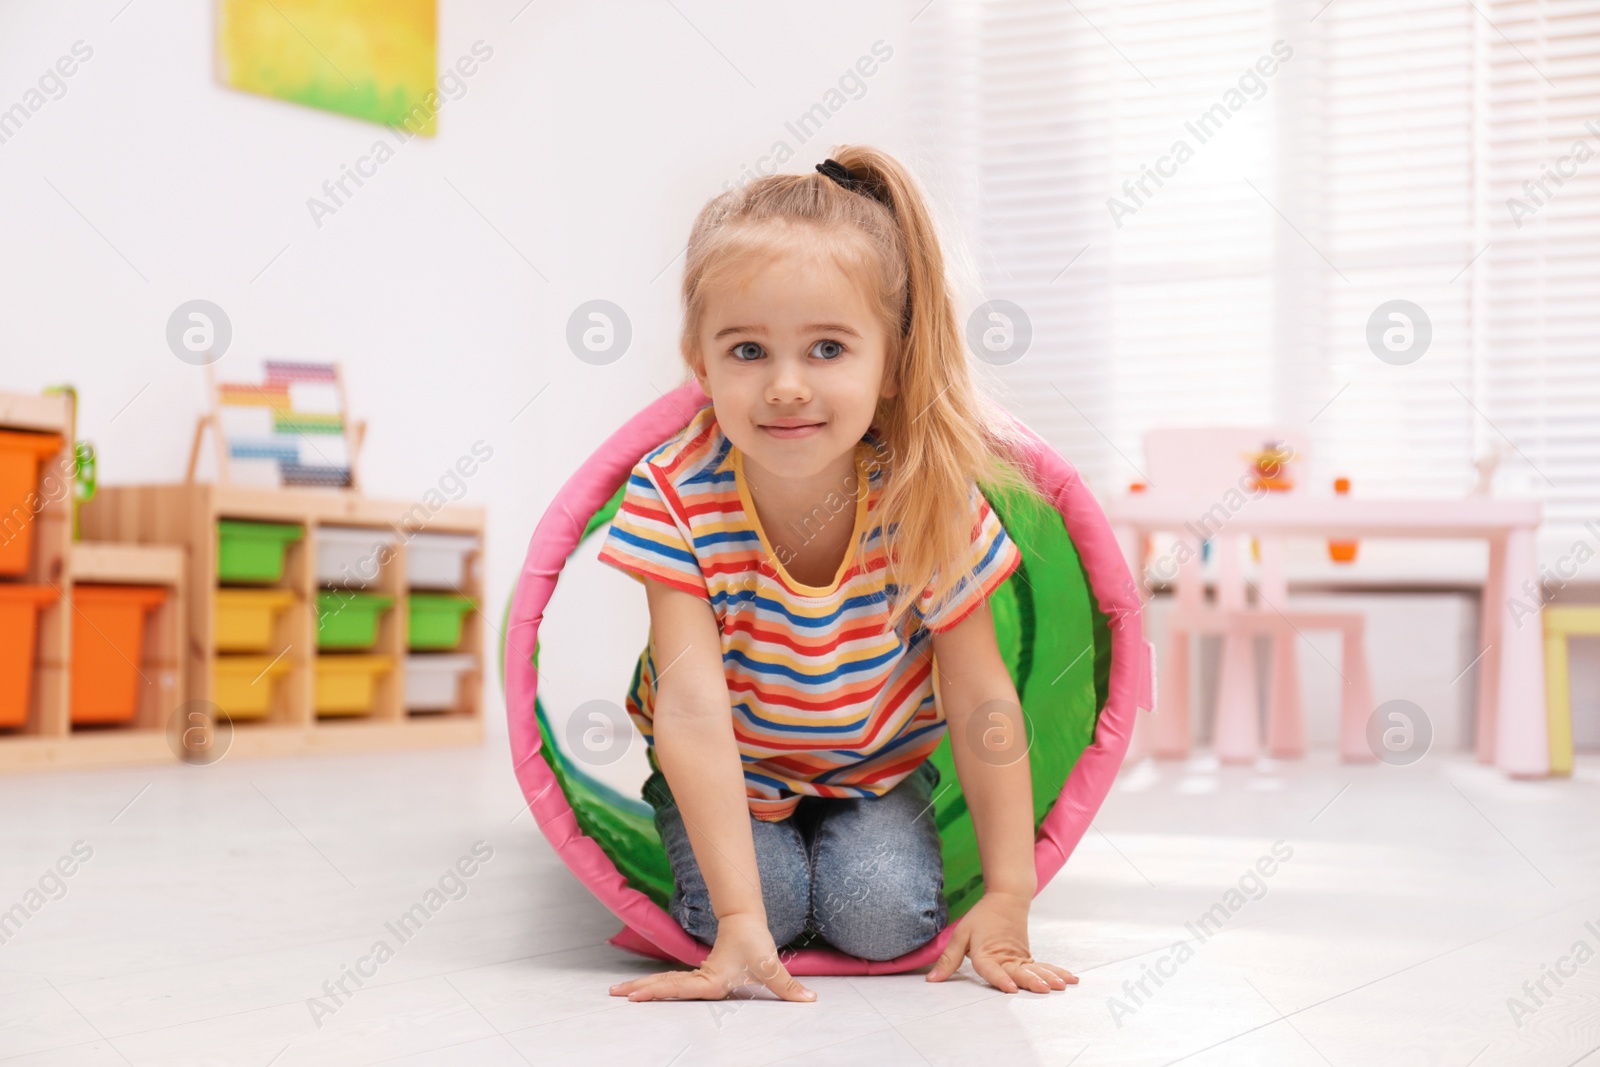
column 1542, row 381
column 1375, row 167
column 1045, row 116
column 1192, row 258
column 1396, row 103
column 1072, row 100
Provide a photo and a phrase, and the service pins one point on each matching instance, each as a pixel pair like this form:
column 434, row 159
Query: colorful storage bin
column 349, row 620
column 107, row 647
column 246, row 619
column 439, row 561
column 19, row 622
column 253, row 551
column 350, row 557
column 435, row 620
column 348, row 685
column 433, row 682
column 20, row 456
column 242, row 686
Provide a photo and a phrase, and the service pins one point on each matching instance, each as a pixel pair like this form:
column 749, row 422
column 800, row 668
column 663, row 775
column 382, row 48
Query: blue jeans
column 866, row 874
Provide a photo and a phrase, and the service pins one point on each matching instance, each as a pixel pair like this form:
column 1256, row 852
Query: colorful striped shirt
column 826, row 701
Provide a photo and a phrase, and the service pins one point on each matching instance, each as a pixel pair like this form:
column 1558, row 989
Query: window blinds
column 1334, row 158
column 1540, row 375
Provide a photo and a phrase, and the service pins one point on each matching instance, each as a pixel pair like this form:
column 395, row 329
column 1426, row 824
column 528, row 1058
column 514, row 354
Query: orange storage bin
column 20, row 456
column 107, row 646
column 19, row 621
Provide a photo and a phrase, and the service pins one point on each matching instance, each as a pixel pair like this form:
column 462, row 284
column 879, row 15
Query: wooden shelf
column 63, row 564
column 49, row 697
column 91, row 561
column 167, row 535
column 46, row 414
column 188, row 515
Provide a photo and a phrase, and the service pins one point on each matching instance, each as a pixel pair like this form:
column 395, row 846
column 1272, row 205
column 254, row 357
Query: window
column 1202, row 205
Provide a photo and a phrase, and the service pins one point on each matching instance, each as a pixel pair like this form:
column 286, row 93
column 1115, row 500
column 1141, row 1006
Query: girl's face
column 793, row 358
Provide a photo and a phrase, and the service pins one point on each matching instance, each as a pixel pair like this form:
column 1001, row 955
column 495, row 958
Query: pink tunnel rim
column 647, row 928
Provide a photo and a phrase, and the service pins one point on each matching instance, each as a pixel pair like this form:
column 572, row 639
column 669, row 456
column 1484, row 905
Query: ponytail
column 943, row 431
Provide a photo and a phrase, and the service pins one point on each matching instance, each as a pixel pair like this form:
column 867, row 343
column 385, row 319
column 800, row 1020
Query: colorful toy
column 1269, row 468
column 1269, row 472
column 85, row 466
column 294, row 425
column 1068, row 623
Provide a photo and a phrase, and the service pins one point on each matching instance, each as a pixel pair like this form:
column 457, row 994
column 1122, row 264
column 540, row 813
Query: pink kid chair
column 1208, row 466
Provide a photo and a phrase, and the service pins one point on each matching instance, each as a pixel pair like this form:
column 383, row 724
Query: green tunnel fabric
column 1056, row 644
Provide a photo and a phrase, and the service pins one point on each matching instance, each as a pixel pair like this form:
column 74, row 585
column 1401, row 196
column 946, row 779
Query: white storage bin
column 433, row 683
column 350, row 556
column 439, row 561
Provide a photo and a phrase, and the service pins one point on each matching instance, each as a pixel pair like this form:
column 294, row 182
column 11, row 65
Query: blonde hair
column 941, row 430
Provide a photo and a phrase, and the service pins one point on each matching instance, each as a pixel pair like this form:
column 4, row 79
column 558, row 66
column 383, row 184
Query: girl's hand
column 995, row 934
column 744, row 953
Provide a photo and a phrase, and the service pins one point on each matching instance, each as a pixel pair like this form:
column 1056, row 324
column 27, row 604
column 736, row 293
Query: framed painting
column 370, row 59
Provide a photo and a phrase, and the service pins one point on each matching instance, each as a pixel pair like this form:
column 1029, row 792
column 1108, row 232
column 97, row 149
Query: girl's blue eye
column 747, row 344
column 833, row 351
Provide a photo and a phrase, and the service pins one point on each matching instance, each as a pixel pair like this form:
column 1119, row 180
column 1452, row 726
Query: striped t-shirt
column 826, row 701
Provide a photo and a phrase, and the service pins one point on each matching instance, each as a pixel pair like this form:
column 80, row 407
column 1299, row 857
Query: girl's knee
column 881, row 926
column 781, row 862
column 877, row 910
column 785, row 883
column 877, row 895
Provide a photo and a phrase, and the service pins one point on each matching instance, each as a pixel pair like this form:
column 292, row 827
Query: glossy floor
column 1412, row 922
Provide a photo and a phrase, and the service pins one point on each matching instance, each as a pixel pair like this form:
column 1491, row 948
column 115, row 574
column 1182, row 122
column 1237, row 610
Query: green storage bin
column 435, row 620
column 349, row 620
column 253, row 551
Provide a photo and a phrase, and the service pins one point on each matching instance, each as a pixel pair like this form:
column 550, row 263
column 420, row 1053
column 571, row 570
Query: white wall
column 589, row 140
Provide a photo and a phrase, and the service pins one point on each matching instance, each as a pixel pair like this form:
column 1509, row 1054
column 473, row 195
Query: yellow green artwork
column 372, row 59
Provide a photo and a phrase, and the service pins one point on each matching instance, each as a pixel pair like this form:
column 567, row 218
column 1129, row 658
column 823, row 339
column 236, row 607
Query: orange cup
column 1342, row 551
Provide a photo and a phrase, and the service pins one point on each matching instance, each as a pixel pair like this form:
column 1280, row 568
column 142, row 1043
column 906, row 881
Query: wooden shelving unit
column 187, row 515
column 166, row 535
column 48, row 739
column 52, row 538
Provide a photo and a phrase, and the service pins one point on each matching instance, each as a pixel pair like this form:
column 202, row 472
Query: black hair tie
column 836, row 170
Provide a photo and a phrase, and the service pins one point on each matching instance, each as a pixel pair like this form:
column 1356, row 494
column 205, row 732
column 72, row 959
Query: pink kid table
column 1512, row 728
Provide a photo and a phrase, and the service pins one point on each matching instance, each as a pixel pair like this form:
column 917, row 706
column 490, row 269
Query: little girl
column 817, row 558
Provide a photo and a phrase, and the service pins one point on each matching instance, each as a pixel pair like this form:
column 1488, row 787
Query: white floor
column 217, row 901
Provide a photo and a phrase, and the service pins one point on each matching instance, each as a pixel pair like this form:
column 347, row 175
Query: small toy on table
column 1269, row 472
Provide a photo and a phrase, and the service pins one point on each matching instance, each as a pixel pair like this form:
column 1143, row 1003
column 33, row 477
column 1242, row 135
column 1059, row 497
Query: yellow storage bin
column 246, row 618
column 347, row 685
column 242, row 686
